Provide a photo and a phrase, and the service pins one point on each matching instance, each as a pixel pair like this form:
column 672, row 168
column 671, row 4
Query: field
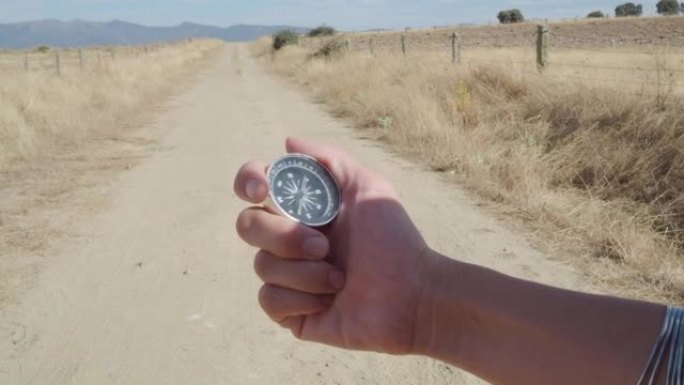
column 57, row 130
column 587, row 156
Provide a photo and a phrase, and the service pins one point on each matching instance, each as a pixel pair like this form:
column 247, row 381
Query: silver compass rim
column 271, row 192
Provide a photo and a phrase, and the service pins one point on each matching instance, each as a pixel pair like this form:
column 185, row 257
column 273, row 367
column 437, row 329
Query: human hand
column 356, row 283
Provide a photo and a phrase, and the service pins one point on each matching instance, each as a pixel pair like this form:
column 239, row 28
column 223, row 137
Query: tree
column 323, row 30
column 510, row 16
column 283, row 38
column 596, row 15
column 629, row 9
column 668, row 7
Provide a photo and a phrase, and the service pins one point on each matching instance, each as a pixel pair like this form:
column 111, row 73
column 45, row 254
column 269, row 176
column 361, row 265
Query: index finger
column 251, row 184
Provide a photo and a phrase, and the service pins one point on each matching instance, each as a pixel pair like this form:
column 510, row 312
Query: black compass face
column 303, row 190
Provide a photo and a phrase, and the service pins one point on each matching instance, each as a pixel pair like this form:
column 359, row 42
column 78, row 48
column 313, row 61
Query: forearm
column 509, row 331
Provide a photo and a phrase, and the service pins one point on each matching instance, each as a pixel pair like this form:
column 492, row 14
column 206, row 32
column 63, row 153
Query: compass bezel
column 322, row 173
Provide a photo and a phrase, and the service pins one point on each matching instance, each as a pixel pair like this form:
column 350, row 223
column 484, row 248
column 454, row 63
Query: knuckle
column 266, row 299
column 262, row 264
column 244, row 223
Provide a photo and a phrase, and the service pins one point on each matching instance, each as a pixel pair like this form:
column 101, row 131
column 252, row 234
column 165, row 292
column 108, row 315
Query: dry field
column 63, row 134
column 593, row 169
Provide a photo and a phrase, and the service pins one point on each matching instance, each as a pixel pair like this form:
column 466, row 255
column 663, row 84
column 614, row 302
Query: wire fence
column 637, row 69
column 58, row 61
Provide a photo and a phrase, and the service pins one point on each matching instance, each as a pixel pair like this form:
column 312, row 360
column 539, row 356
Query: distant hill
column 74, row 33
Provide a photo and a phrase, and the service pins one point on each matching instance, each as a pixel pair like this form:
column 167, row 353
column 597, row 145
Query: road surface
column 157, row 288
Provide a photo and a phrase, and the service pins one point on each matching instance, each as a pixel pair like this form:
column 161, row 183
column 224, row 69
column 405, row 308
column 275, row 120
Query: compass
column 303, row 190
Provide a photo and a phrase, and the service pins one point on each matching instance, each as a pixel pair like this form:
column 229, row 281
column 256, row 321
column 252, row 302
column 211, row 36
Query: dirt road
column 157, row 288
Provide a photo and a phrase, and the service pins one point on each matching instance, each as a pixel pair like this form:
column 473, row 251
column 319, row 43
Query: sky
column 342, row 14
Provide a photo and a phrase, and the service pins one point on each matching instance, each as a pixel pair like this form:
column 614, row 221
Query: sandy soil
column 154, row 287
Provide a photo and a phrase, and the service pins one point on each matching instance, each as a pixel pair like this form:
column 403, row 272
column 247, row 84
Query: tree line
column 664, row 7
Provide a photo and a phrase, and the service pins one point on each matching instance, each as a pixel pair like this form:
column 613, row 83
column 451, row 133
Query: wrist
column 442, row 321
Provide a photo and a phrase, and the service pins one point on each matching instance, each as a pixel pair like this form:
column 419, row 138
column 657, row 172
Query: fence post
column 26, row 61
column 542, row 47
column 371, row 46
column 113, row 56
column 403, row 44
column 80, row 58
column 456, row 48
column 346, row 44
column 58, row 64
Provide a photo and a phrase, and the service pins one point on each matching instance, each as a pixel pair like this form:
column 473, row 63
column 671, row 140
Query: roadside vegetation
column 42, row 112
column 593, row 173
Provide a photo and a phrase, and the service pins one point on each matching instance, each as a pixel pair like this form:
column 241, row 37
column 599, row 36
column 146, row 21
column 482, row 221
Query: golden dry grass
column 40, row 110
column 596, row 172
column 63, row 139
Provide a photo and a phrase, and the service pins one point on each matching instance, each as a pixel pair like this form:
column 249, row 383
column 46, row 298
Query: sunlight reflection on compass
column 304, row 190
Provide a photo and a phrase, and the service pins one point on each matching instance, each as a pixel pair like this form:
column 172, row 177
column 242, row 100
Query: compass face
column 303, row 190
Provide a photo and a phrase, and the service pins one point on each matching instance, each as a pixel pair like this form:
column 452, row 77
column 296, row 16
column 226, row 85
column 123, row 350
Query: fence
column 58, row 61
column 533, row 51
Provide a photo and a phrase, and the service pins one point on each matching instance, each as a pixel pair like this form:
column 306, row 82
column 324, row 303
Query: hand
column 355, row 284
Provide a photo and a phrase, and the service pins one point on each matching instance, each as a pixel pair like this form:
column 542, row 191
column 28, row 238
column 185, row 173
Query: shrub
column 510, row 16
column 42, row 49
column 322, row 31
column 332, row 49
column 283, row 38
column 629, row 9
column 668, row 7
column 596, row 15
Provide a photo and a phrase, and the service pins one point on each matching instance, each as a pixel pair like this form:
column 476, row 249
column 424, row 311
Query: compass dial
column 303, row 190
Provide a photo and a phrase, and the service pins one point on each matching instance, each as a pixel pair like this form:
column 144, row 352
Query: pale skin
column 370, row 282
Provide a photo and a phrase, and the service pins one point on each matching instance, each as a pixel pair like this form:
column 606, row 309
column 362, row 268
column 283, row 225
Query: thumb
column 341, row 165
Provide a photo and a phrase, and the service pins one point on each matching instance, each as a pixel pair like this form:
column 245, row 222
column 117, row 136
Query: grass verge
column 595, row 173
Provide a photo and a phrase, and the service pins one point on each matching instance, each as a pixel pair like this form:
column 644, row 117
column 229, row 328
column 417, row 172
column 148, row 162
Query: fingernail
column 251, row 189
column 316, row 247
column 336, row 279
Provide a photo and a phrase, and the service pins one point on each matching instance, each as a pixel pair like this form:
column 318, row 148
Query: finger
column 295, row 324
column 338, row 162
column 314, row 277
column 250, row 183
column 280, row 303
column 281, row 236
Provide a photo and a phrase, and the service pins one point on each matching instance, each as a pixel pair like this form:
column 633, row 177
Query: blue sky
column 343, row 14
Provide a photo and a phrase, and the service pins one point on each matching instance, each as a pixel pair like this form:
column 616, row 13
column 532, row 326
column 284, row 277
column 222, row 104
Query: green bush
column 332, row 49
column 510, row 16
column 283, row 38
column 42, row 49
column 668, row 7
column 596, row 15
column 322, row 31
column 629, row 9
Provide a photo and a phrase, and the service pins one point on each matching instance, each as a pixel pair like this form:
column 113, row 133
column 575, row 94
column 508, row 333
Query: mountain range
column 56, row 33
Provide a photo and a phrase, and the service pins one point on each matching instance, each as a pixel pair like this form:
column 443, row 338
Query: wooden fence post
column 58, row 65
column 456, row 48
column 403, row 44
column 113, row 56
column 80, row 58
column 371, row 46
column 346, row 44
column 542, row 47
column 26, row 61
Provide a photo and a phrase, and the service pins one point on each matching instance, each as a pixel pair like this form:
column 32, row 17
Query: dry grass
column 40, row 111
column 64, row 139
column 596, row 171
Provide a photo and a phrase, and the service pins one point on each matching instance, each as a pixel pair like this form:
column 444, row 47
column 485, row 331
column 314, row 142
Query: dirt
column 626, row 33
column 149, row 284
